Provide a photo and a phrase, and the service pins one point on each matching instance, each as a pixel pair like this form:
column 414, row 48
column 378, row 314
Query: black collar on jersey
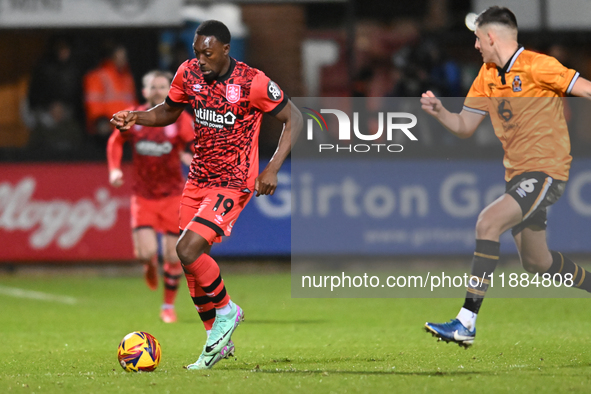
column 224, row 77
column 507, row 67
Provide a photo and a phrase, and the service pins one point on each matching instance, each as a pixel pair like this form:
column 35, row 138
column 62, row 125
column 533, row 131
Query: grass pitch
column 285, row 345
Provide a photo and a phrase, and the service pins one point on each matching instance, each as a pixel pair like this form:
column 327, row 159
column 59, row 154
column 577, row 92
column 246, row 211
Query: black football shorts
column 535, row 192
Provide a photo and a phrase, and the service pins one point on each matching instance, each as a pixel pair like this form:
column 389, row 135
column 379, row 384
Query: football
column 139, row 351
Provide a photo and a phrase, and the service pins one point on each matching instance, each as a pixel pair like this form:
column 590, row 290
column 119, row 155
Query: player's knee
column 486, row 227
column 184, row 253
column 171, row 256
column 535, row 263
column 146, row 254
column 187, row 252
column 532, row 265
column 529, row 264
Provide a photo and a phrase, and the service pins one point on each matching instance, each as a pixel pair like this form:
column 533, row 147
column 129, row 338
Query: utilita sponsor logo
column 345, row 130
column 210, row 118
column 57, row 220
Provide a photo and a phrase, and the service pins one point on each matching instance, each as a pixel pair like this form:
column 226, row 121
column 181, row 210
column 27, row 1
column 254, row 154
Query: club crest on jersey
column 517, row 84
column 233, row 93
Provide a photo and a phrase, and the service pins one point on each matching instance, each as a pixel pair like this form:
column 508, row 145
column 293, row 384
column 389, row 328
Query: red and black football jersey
column 227, row 117
column 157, row 169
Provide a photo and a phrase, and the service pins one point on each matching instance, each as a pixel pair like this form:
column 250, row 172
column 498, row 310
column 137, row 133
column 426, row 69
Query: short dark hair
column 496, row 14
column 216, row 29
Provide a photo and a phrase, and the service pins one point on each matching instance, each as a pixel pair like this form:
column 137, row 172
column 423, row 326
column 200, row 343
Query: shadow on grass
column 540, row 371
column 263, row 322
column 290, row 322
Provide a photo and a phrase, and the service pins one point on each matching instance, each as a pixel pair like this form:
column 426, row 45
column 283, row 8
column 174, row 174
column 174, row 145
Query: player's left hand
column 266, row 183
column 116, row 177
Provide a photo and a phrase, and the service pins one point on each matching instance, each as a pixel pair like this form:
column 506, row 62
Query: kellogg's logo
column 57, row 220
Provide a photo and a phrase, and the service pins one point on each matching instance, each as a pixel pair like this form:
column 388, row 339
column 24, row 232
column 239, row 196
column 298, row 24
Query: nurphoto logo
column 392, row 120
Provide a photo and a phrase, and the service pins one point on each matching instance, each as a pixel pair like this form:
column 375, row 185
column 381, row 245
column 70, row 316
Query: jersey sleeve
column 186, row 129
column 115, row 150
column 476, row 100
column 266, row 95
column 548, row 73
column 176, row 95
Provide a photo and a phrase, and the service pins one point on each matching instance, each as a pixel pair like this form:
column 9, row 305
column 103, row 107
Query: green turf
column 287, row 345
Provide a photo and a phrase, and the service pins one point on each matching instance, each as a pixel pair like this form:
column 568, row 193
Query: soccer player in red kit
column 228, row 99
column 157, row 187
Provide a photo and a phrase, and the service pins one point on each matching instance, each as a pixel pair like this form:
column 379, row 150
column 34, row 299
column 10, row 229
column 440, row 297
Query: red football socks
column 206, row 287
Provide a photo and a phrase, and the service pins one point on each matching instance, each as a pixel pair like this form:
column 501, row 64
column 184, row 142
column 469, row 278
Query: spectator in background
column 415, row 76
column 425, row 66
column 179, row 54
column 107, row 89
column 57, row 131
column 442, row 69
column 54, row 100
column 362, row 81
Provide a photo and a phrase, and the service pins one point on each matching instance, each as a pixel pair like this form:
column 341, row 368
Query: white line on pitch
column 36, row 295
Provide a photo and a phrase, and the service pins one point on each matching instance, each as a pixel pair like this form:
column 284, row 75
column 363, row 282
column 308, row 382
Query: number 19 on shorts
column 226, row 203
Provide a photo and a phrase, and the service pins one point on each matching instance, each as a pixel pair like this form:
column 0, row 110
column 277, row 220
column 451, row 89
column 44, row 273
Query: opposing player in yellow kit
column 522, row 92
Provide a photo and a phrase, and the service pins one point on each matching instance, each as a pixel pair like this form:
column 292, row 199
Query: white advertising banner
column 89, row 13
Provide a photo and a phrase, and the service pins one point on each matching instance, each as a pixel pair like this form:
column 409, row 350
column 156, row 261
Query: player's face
column 212, row 56
column 483, row 44
column 156, row 90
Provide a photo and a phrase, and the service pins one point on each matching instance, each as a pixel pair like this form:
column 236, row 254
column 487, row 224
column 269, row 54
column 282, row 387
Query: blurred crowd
column 398, row 60
column 70, row 100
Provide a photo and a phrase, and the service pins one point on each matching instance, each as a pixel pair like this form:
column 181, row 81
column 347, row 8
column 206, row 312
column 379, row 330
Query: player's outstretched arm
column 158, row 116
column 114, row 155
column 290, row 115
column 462, row 125
column 581, row 88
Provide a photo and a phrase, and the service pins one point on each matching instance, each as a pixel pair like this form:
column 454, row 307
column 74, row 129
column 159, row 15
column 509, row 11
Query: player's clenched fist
column 123, row 120
column 430, row 103
column 116, row 177
column 266, row 183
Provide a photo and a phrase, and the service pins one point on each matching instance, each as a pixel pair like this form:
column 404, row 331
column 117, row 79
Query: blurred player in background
column 537, row 158
column 157, row 187
column 228, row 98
